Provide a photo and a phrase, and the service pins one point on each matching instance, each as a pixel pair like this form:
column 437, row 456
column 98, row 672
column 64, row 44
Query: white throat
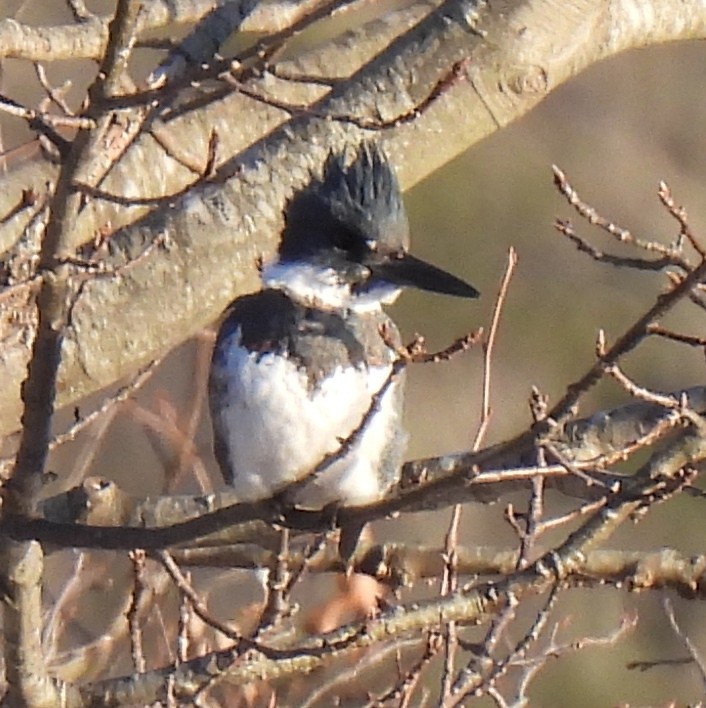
column 320, row 286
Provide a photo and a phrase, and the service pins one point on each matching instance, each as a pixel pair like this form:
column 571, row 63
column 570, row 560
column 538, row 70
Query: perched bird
column 298, row 364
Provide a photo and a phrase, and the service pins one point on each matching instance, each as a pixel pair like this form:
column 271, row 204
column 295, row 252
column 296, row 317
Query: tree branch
column 236, row 219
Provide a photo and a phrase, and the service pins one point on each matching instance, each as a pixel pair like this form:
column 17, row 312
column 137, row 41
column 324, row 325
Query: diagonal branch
column 28, row 683
column 229, row 223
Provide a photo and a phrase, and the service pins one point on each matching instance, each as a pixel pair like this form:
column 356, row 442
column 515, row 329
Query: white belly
column 277, row 430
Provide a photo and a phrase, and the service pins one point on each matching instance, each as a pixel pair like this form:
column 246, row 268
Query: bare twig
column 277, row 583
column 655, row 264
column 197, row 603
column 449, row 584
column 133, row 615
column 456, row 73
column 477, row 683
column 694, row 653
column 56, row 95
column 121, row 395
column 79, row 10
column 679, row 213
column 185, row 614
column 555, row 649
column 489, row 346
column 45, row 123
column 591, row 215
column 450, row 580
column 690, row 339
column 627, row 342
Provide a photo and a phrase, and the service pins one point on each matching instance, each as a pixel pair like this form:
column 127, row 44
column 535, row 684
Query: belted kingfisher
column 297, row 365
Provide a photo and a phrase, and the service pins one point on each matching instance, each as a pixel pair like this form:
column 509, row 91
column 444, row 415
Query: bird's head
column 346, row 240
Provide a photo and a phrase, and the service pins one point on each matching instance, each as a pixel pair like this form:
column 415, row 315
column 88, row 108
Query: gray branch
column 88, row 39
column 427, row 484
column 211, row 236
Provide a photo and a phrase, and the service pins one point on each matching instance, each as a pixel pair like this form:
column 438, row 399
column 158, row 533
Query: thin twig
column 566, row 228
column 57, row 95
column 109, row 403
column 449, row 584
column 139, row 587
column 679, row 213
column 401, row 693
column 79, row 10
column 455, row 74
column 197, row 603
column 690, row 339
column 45, row 123
column 248, row 63
column 184, row 622
column 277, row 582
column 450, row 577
column 591, row 215
column 534, row 665
column 683, row 637
column 489, row 346
column 626, row 342
column 479, row 683
column 414, row 353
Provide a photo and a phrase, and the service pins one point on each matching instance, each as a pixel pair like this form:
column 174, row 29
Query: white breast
column 277, row 429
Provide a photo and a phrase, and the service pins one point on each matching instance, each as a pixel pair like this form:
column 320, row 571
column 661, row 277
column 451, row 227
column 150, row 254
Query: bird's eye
column 349, row 240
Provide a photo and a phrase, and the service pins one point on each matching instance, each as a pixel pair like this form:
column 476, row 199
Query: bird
column 299, row 364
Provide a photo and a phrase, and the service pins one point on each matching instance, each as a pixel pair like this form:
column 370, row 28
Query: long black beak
column 404, row 269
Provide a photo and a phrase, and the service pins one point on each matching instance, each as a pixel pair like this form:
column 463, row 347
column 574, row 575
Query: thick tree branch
column 88, row 39
column 155, row 523
column 217, row 231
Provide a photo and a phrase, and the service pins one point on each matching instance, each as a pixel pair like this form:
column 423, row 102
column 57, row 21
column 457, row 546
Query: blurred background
column 616, row 130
